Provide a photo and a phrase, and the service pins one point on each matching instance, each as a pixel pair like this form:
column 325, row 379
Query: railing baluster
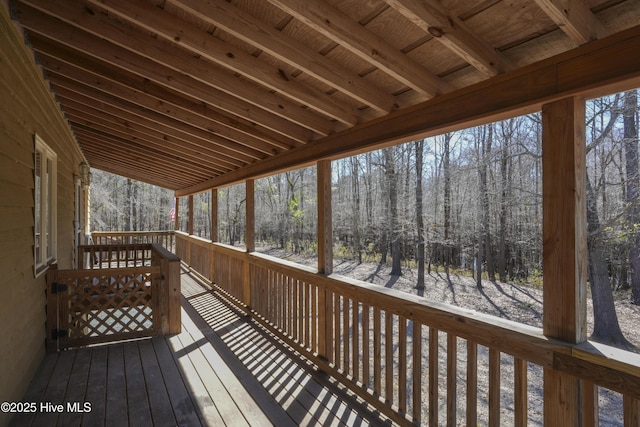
column 521, row 395
column 472, row 384
column 631, row 411
column 452, row 376
column 402, row 364
column 388, row 358
column 355, row 342
column 417, row 372
column 433, row 377
column 494, row 387
column 377, row 352
column 366, row 369
column 346, row 354
column 337, row 333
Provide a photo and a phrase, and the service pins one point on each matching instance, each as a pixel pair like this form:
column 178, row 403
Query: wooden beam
column 190, row 221
column 564, row 232
column 574, row 18
column 250, row 238
column 198, row 41
column 176, row 201
column 229, row 152
column 597, row 68
column 184, row 147
column 332, row 23
column 453, row 33
column 171, row 106
column 564, row 236
column 250, row 216
column 214, row 216
column 234, row 21
column 276, row 119
column 325, row 227
column 155, row 140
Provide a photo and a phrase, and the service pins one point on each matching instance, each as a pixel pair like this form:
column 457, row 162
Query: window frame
column 45, row 212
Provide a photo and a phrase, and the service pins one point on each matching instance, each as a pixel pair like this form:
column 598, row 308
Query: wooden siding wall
column 27, row 107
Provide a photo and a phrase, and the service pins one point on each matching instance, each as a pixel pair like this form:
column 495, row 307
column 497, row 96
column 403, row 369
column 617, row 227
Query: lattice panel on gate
column 106, row 306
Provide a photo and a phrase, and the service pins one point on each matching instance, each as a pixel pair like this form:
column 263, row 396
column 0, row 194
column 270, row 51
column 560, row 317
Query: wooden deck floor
column 221, row 370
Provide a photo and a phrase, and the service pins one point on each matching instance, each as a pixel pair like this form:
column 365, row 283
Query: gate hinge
column 57, row 288
column 56, row 334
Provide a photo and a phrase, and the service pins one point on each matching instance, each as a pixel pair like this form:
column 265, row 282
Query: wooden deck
column 221, row 370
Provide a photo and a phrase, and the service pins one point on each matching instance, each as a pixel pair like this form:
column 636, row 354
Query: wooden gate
column 91, row 306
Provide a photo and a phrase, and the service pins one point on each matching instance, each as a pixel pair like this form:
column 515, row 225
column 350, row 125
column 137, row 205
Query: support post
column 214, row 214
column 325, row 258
column 176, row 222
column 190, row 222
column 250, row 237
column 214, row 232
column 564, row 248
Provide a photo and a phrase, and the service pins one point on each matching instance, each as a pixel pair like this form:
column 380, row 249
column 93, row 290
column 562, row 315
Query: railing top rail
column 164, row 253
column 113, row 272
column 131, row 233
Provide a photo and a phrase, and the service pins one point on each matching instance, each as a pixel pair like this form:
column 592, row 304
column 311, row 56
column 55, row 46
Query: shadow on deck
column 221, row 370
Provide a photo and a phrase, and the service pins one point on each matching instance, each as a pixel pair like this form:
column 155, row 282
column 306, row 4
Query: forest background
column 467, row 203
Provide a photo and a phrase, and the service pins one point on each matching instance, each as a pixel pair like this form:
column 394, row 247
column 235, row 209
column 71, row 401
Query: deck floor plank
column 76, row 389
column 36, row 389
column 137, row 393
column 243, row 401
column 54, row 394
column 184, row 409
column 206, row 408
column 159, row 402
column 293, row 387
column 223, row 401
column 222, row 369
column 97, row 390
column 116, row 402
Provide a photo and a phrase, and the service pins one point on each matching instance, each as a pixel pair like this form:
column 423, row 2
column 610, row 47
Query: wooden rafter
column 262, row 36
column 200, row 42
column 223, row 90
column 452, row 32
column 338, row 27
column 158, row 60
column 519, row 92
column 574, row 18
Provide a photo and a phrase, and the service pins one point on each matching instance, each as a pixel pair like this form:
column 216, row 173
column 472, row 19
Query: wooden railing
column 419, row 362
column 164, row 238
column 129, row 291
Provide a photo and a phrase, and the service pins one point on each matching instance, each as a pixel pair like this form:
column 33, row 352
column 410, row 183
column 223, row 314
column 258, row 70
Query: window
column 45, row 219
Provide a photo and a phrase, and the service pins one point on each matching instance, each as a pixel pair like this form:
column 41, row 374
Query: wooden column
column 325, row 228
column 325, row 259
column 176, row 223
column 214, row 215
column 190, row 222
column 214, row 232
column 564, row 248
column 250, row 235
column 250, row 238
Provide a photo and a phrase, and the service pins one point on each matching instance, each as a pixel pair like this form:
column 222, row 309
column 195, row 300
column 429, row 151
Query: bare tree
column 630, row 142
column 419, row 147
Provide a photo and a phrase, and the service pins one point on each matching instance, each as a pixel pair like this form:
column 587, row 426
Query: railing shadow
column 272, row 371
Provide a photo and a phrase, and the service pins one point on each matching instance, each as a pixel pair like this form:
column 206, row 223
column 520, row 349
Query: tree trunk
column 633, row 190
column 504, row 200
column 419, row 145
column 606, row 328
column 355, row 190
column 392, row 180
column 447, row 201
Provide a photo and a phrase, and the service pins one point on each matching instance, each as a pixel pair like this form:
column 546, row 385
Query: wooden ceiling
column 179, row 92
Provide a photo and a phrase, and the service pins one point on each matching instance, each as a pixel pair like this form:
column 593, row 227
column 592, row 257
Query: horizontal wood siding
column 27, row 107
